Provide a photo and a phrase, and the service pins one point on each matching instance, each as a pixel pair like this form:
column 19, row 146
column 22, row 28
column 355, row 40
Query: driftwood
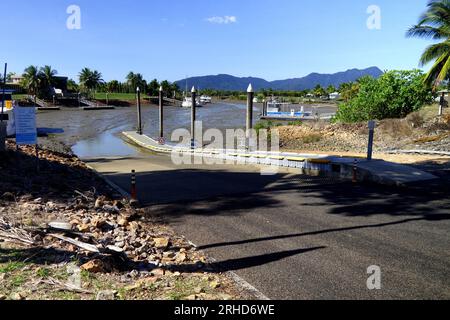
column 64, row 286
column 82, row 245
column 11, row 233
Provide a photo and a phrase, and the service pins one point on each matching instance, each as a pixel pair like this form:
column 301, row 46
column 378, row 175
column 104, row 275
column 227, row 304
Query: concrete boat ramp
column 378, row 171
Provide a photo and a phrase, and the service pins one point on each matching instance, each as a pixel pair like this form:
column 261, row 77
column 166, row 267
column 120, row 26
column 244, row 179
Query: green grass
column 116, row 96
column 19, row 96
column 11, row 267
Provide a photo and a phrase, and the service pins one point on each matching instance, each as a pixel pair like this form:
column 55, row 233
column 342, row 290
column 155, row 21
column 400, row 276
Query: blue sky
column 272, row 39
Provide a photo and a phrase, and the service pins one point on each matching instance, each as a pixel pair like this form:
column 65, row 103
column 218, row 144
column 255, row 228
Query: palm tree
column 135, row 80
column 90, row 79
column 47, row 75
column 435, row 24
column 32, row 79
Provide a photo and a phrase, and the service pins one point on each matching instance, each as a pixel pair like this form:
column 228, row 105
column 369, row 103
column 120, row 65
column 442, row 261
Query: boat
column 276, row 109
column 187, row 103
column 205, row 99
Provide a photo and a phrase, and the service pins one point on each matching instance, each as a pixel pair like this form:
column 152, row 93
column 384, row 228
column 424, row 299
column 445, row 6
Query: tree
column 47, row 76
column 319, row 91
column 153, row 88
column 394, row 95
column 72, row 86
column 435, row 24
column 331, row 89
column 89, row 79
column 349, row 90
column 167, row 88
column 135, row 80
column 32, row 80
column 113, row 86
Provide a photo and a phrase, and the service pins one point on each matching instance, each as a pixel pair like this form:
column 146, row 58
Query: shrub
column 394, row 95
column 415, row 119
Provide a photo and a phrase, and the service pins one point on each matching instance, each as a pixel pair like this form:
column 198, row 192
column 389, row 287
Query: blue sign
column 25, row 123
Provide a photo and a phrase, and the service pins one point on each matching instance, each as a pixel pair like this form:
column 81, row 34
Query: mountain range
column 230, row 83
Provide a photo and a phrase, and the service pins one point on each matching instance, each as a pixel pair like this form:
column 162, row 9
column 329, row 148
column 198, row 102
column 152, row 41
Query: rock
column 214, row 284
column 158, row 272
column 93, row 266
column 18, row 296
column 111, row 209
column 106, row 295
column 38, row 200
column 98, row 223
column 99, row 203
column 181, row 257
column 224, row 296
column 57, row 225
column 133, row 226
column 135, row 204
column 199, row 290
column 134, row 274
column 123, row 222
column 2, row 276
column 50, row 205
column 120, row 244
column 8, row 196
column 161, row 243
column 118, row 204
column 115, row 249
column 2, row 297
column 192, row 297
column 74, row 222
column 83, row 228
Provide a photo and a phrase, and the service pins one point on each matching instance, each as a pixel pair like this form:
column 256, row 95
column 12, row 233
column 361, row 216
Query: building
column 15, row 79
column 334, row 96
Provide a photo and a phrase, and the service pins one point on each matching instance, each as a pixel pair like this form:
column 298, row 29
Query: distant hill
column 231, row 83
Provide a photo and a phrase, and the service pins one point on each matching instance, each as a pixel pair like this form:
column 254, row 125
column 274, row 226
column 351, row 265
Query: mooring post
column 193, row 116
column 371, row 138
column 249, row 126
column 2, row 115
column 139, row 111
column 161, row 113
column 133, row 185
column 442, row 104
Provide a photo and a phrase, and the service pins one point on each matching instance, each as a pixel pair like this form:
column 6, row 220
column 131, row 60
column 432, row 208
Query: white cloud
column 222, row 20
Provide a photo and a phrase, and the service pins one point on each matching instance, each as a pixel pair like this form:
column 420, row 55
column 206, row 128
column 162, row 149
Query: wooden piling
column 193, row 116
column 161, row 113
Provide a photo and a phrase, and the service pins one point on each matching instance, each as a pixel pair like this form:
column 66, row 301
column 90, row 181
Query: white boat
column 205, row 99
column 187, row 103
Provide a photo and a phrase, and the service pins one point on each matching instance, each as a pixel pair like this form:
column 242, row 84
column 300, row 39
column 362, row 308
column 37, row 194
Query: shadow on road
column 438, row 217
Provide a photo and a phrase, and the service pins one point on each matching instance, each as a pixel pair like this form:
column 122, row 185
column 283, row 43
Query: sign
column 372, row 125
column 25, row 121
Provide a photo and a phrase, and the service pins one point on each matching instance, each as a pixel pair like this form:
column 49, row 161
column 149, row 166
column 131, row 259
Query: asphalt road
column 295, row 237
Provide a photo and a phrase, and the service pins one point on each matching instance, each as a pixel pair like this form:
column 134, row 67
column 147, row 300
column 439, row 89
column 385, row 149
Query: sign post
column 26, row 132
column 371, row 138
column 2, row 115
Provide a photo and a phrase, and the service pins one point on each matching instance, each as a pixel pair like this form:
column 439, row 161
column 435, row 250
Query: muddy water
column 96, row 133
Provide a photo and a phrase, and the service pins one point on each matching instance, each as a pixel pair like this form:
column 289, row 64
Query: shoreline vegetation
column 66, row 235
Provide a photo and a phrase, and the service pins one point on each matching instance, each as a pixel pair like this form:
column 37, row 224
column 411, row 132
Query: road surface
column 295, row 237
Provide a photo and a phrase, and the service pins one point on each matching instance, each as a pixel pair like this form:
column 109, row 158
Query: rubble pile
column 69, row 211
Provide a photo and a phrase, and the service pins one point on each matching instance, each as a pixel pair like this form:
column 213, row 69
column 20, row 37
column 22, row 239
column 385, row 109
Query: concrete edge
column 122, row 192
column 314, row 166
